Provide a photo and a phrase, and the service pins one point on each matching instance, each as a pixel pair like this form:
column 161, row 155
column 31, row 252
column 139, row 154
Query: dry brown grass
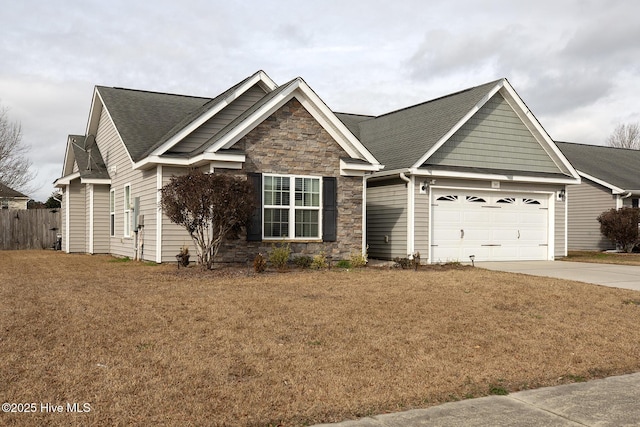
column 148, row 345
column 603, row 257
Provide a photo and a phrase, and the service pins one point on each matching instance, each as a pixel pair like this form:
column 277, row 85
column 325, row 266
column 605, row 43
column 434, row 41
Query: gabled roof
column 88, row 158
column 10, row 193
column 615, row 168
column 143, row 119
column 400, row 138
column 407, row 139
column 151, row 123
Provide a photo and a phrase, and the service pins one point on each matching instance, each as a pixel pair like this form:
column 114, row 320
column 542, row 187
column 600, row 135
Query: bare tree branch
column 625, row 135
column 15, row 165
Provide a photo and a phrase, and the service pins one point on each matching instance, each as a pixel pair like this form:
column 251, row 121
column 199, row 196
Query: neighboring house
column 468, row 174
column 307, row 167
column 609, row 181
column 12, row 199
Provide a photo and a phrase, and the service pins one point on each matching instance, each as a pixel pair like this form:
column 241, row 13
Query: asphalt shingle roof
column 6, row 192
column 616, row 166
column 144, row 118
column 89, row 160
column 398, row 139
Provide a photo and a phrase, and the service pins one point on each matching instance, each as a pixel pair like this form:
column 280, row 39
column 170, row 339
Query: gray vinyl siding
column 421, row 220
column 173, row 236
column 100, row 219
column 586, row 201
column 219, row 121
column 63, row 217
column 147, row 191
column 560, row 250
column 387, row 216
column 87, row 218
column 77, row 222
column 495, row 137
column 143, row 185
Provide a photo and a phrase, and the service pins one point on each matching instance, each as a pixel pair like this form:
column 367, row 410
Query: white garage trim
column 492, row 224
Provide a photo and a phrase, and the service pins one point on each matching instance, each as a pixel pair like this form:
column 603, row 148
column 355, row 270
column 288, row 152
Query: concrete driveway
column 616, row 276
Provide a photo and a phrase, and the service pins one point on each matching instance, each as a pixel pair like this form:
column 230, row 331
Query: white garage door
column 493, row 226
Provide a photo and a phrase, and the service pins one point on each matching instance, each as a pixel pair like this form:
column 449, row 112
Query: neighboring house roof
column 615, row 168
column 10, row 193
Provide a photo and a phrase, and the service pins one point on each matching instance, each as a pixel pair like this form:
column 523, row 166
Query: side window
column 634, row 203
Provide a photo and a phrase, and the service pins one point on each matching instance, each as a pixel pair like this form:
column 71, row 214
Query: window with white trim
column 127, row 210
column 112, row 213
column 292, row 207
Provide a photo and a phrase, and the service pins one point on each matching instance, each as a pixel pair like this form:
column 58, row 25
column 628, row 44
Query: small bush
column 621, row 227
column 408, row 262
column 403, row 263
column 344, row 263
column 319, row 261
column 279, row 256
column 259, row 264
column 303, row 261
column 359, row 260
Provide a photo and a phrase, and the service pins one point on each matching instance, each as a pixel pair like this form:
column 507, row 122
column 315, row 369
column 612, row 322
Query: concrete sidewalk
column 618, row 276
column 611, row 401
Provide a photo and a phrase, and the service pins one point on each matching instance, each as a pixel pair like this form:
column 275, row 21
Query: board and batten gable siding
column 586, row 201
column 219, row 121
column 494, row 138
column 143, row 185
column 387, row 219
column 77, row 217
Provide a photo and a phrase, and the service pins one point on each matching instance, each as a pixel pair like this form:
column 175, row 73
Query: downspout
column 619, row 202
column 410, row 212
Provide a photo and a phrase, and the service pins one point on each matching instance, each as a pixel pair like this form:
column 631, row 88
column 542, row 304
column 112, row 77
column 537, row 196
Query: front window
column 127, row 210
column 112, row 212
column 291, row 207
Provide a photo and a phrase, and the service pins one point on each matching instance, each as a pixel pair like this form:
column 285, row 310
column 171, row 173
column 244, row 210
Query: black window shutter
column 329, row 209
column 254, row 228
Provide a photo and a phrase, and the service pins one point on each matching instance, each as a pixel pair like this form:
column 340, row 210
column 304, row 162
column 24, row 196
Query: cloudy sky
column 575, row 63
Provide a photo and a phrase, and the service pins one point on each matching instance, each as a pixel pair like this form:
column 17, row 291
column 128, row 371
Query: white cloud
column 573, row 62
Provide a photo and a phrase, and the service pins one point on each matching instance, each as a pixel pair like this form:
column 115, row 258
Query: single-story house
column 471, row 173
column 468, row 175
column 609, row 181
column 307, row 167
column 12, row 199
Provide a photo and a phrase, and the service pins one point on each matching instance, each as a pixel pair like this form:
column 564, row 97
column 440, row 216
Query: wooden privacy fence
column 29, row 228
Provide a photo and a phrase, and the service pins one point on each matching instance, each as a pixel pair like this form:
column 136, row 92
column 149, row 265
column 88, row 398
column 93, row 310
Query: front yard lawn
column 603, row 257
column 153, row 345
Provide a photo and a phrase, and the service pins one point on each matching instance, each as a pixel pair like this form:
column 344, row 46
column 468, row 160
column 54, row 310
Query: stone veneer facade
column 291, row 141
